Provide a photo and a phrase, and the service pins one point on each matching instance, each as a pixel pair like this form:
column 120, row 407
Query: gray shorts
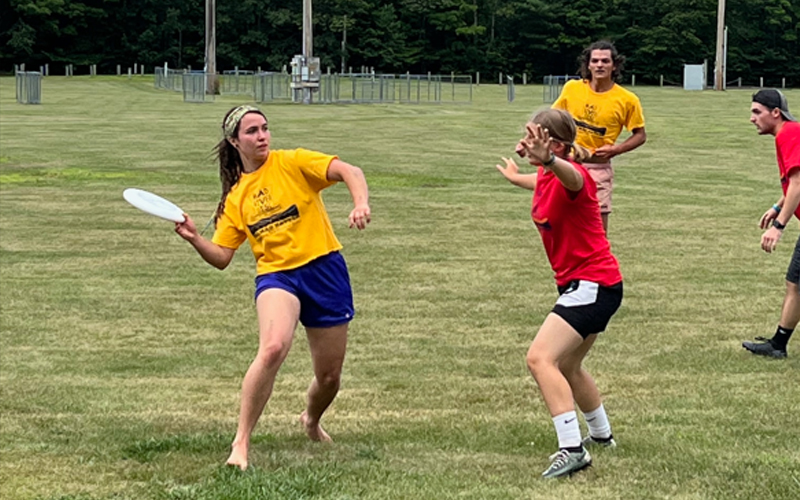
column 793, row 274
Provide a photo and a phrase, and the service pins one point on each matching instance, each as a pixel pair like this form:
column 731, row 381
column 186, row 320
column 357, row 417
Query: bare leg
column 584, row 388
column 555, row 341
column 605, row 222
column 327, row 347
column 790, row 314
column 278, row 312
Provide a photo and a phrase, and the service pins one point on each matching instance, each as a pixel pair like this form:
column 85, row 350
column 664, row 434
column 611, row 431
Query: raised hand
column 536, row 143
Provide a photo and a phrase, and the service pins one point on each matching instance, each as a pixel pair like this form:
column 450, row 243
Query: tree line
column 535, row 37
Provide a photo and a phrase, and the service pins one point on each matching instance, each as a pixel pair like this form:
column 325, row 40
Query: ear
column 233, row 142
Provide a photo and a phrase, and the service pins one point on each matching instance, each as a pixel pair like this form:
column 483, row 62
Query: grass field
column 122, row 353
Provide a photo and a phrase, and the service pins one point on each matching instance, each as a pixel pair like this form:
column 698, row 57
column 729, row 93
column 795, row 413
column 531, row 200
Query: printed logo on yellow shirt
column 265, row 211
column 589, row 117
column 269, row 224
column 262, row 202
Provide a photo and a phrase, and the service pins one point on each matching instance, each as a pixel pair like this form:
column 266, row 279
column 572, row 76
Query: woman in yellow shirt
column 272, row 200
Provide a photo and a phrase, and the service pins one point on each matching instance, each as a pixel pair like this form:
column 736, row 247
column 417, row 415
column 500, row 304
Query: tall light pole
column 211, row 47
column 719, row 67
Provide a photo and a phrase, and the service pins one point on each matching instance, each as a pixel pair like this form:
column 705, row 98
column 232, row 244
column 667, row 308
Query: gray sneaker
column 564, row 463
column 764, row 347
column 589, row 442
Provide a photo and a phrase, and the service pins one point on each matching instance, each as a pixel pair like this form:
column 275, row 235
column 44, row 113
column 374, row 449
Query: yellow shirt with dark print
column 600, row 116
column 278, row 209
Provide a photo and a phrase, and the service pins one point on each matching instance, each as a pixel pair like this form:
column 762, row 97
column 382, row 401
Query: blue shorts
column 322, row 286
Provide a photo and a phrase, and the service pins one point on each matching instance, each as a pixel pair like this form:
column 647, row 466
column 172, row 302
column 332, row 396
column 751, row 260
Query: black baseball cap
column 774, row 98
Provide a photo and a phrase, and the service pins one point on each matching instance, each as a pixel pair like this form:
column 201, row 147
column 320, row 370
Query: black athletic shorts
column 588, row 306
column 793, row 274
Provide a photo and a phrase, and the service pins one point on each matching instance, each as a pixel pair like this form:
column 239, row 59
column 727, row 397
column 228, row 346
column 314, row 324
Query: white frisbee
column 153, row 204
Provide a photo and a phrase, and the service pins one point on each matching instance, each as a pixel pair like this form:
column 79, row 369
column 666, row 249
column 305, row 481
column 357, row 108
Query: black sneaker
column 764, row 348
column 590, row 442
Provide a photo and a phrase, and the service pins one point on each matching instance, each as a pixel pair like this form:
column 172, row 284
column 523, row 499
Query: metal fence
column 29, row 87
column 553, row 85
column 333, row 88
column 238, row 82
column 510, row 88
column 195, row 86
column 419, row 88
column 172, row 79
column 390, row 88
column 272, row 86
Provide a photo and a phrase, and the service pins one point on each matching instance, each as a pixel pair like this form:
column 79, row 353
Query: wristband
column 776, row 208
column 777, row 225
column 549, row 163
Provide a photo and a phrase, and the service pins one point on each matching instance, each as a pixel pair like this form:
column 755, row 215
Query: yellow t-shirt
column 600, row 116
column 279, row 210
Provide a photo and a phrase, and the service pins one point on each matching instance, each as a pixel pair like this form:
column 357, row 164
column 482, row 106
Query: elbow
column 356, row 172
column 575, row 184
column 221, row 264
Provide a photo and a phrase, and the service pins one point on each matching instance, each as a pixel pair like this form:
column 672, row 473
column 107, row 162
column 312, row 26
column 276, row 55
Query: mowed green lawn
column 122, row 353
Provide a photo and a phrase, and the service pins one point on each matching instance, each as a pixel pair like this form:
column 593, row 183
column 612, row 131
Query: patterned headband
column 233, row 119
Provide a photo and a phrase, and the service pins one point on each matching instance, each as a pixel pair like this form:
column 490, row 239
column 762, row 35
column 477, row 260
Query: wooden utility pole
column 719, row 67
column 344, row 42
column 308, row 31
column 211, row 47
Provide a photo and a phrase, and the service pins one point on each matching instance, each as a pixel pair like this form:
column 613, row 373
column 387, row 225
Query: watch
column 550, row 161
column 778, row 225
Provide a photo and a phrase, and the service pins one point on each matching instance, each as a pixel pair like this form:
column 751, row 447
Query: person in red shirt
column 769, row 112
column 567, row 214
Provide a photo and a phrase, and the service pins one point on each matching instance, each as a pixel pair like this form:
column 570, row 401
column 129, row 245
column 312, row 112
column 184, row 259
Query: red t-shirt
column 787, row 143
column 572, row 230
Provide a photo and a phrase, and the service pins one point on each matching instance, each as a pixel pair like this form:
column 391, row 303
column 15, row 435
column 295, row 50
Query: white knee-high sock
column 597, row 421
column 568, row 430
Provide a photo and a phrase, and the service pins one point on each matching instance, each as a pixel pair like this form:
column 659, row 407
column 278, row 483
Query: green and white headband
column 233, row 119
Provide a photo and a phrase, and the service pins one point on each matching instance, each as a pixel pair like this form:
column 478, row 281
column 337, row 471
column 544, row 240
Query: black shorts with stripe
column 587, row 306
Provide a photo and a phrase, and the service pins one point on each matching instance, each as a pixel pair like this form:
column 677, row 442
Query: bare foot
column 238, row 456
column 315, row 432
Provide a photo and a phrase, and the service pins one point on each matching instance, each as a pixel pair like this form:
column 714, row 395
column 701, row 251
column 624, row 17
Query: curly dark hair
column 583, row 60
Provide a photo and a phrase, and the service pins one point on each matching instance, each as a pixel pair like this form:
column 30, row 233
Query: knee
column 272, row 354
column 572, row 373
column 329, row 379
column 537, row 361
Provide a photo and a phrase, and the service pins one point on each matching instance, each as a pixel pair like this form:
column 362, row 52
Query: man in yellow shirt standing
column 601, row 109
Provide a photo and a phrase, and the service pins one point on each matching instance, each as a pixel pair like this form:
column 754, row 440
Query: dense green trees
column 537, row 37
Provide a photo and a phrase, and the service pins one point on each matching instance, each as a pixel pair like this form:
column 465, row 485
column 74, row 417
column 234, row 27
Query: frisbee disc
column 153, row 204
